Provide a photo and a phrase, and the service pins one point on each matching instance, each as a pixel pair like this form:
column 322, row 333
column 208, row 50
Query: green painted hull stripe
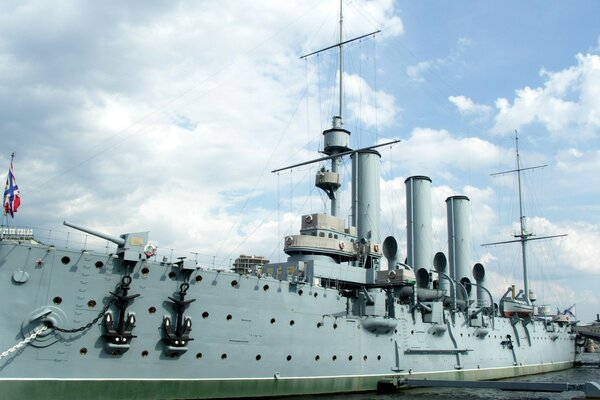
column 146, row 389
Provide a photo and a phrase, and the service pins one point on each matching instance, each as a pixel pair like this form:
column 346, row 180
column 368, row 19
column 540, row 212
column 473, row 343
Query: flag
column 12, row 198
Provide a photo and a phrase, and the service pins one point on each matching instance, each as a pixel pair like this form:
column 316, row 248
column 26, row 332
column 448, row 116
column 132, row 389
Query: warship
column 344, row 313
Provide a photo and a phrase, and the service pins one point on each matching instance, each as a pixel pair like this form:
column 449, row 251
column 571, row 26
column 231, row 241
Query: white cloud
column 380, row 14
column 574, row 161
column 466, row 106
column 567, row 105
column 371, row 107
column 417, row 72
column 438, row 153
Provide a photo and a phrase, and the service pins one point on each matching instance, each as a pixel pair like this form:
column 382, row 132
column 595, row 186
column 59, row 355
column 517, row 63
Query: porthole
column 205, row 314
column 145, row 353
column 292, row 323
column 349, row 358
column 365, row 358
column 335, row 326
column 198, row 355
column 145, row 271
column 234, row 283
column 266, row 287
column 258, row 357
column 378, row 358
column 317, row 358
column 300, row 292
column 83, row 351
column 272, row 320
column 316, row 294
column 92, row 303
column 65, row 260
column 172, row 274
column 334, row 358
column 152, row 310
column 223, row 356
column 289, row 358
column 319, row 324
column 99, row 264
column 229, row 317
column 57, row 300
column 198, row 278
column 412, row 332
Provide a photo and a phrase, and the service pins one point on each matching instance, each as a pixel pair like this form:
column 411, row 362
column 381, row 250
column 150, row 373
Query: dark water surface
column 574, row 375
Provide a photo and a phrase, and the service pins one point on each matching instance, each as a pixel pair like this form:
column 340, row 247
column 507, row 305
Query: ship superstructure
column 127, row 324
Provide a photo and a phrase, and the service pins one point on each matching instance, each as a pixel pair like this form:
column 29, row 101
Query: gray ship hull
column 252, row 335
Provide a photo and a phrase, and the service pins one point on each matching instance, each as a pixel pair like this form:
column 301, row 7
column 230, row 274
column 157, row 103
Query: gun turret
column 117, row 240
column 132, row 246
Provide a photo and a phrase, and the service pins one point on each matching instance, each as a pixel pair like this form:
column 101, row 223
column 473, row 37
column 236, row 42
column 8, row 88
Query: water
column 573, row 375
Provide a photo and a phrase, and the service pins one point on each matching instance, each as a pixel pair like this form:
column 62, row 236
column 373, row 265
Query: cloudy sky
column 168, row 117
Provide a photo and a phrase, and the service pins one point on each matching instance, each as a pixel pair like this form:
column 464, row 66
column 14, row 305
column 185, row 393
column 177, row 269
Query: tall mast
column 523, row 237
column 341, row 62
column 336, row 138
column 338, row 123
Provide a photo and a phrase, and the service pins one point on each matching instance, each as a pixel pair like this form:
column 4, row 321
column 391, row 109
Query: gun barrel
column 117, row 240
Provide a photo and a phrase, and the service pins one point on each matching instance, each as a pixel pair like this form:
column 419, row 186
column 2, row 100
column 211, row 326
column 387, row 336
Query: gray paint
column 418, row 223
column 367, row 204
column 459, row 238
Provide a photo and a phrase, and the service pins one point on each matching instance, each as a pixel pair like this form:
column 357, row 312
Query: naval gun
column 131, row 246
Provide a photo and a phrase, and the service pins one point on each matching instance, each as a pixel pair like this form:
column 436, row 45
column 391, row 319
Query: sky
column 169, row 116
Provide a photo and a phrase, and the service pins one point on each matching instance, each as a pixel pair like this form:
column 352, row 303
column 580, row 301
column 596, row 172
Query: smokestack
column 418, row 224
column 366, row 208
column 459, row 240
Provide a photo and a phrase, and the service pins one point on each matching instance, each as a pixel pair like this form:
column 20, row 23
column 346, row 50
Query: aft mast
column 523, row 237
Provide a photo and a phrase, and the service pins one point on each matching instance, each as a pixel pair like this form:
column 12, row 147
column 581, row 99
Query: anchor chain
column 95, row 320
column 44, row 328
column 23, row 342
column 89, row 324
